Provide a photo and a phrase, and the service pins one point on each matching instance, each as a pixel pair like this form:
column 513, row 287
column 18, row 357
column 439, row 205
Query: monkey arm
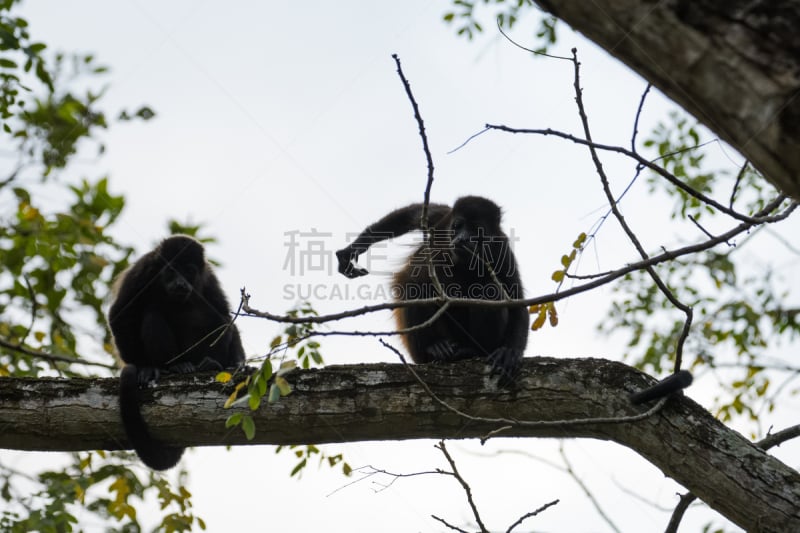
column 397, row 223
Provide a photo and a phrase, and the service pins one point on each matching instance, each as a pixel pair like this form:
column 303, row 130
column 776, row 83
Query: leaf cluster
column 466, row 17
column 738, row 312
column 100, row 483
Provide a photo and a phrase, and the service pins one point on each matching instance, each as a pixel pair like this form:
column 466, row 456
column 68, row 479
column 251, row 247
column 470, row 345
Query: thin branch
column 687, row 310
column 776, row 439
column 427, row 234
column 369, row 471
column 739, row 177
column 536, row 52
column 635, row 156
column 700, row 227
column 449, row 525
column 638, row 115
column 677, row 515
column 52, row 357
column 441, row 446
column 533, row 513
column 585, row 489
column 422, row 134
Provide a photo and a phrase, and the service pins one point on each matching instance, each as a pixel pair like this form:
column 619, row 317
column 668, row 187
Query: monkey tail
column 153, row 453
column 675, row 382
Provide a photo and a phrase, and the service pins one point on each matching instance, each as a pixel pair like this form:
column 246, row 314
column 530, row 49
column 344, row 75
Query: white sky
column 289, row 116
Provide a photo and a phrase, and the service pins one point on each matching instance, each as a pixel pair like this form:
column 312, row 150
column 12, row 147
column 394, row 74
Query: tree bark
column 385, row 402
column 733, row 64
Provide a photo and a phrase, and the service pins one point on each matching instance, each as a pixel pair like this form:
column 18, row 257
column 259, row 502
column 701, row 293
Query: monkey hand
column 145, row 375
column 447, row 350
column 183, row 367
column 347, row 263
column 505, row 363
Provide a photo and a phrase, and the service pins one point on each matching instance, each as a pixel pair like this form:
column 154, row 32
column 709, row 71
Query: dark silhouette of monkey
column 673, row 383
column 472, row 258
column 168, row 314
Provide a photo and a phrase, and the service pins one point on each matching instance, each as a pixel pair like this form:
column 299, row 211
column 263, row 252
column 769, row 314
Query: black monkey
column 472, row 259
column 169, row 313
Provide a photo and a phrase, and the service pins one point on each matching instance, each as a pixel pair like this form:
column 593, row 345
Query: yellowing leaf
column 558, row 276
column 539, row 322
column 283, row 385
column 223, row 377
column 230, row 400
column 553, row 314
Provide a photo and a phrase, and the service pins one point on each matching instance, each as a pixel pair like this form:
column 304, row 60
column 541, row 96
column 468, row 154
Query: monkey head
column 182, row 262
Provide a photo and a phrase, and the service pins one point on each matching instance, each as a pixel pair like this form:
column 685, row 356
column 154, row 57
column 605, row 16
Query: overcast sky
column 287, row 120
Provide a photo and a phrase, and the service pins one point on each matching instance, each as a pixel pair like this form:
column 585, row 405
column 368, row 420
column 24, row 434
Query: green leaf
column 233, row 420
column 249, row 427
column 254, row 402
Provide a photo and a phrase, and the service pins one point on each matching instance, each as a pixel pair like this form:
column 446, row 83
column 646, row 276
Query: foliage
column 738, row 313
column 59, row 259
column 99, row 483
column 275, row 385
column 506, row 15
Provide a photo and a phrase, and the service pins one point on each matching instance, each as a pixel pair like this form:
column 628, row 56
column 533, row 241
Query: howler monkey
column 472, row 258
column 168, row 314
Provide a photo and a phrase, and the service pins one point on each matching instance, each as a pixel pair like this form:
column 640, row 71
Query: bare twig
column 50, row 356
column 776, row 439
column 449, row 525
column 422, row 134
column 532, row 513
column 638, row 158
column 585, row 489
column 368, row 471
column 701, row 228
column 441, row 446
column 687, row 310
column 638, row 115
column 427, row 234
column 739, row 178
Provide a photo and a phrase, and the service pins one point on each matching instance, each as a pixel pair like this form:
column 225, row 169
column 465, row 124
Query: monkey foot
column 505, row 363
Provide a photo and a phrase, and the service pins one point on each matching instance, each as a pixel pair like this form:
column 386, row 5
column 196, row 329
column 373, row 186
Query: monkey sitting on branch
column 471, row 258
column 168, row 314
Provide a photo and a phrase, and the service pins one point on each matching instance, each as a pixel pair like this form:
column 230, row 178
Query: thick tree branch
column 734, row 65
column 385, row 402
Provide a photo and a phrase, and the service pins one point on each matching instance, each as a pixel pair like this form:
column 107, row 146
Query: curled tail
column 675, row 382
column 153, row 453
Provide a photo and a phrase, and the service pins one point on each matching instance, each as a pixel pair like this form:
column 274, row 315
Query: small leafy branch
column 265, row 381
